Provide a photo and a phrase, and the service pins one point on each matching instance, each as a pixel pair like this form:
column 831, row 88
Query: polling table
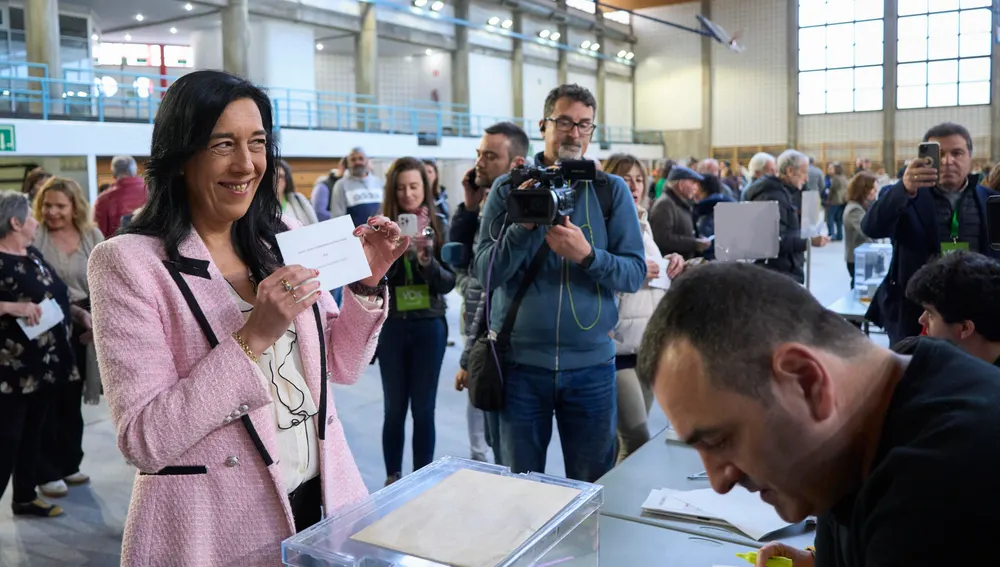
column 663, row 463
column 625, row 543
column 851, row 308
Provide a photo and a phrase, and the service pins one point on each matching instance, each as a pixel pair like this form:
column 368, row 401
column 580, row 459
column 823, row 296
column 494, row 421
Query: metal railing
column 28, row 91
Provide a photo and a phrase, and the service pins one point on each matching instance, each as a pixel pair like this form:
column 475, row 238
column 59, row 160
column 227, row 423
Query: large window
column 143, row 55
column 840, row 55
column 620, row 16
column 944, row 53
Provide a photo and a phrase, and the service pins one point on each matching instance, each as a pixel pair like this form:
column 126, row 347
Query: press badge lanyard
column 409, row 270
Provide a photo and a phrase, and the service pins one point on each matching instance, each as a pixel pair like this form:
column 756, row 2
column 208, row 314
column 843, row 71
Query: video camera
column 551, row 198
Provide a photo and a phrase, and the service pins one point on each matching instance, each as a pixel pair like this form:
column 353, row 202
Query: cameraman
column 561, row 356
column 503, row 147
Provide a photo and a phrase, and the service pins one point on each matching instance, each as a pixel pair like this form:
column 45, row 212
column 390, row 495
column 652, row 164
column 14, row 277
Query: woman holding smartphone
column 411, row 346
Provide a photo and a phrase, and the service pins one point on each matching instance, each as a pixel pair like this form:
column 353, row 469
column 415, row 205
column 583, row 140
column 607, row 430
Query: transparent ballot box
column 871, row 264
column 456, row 512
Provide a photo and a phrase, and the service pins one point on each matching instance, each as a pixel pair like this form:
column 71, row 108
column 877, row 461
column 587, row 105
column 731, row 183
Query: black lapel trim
column 178, row 471
column 193, row 267
column 321, row 427
column 175, row 269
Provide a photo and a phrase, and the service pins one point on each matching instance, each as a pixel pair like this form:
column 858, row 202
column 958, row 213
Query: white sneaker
column 54, row 489
column 77, row 478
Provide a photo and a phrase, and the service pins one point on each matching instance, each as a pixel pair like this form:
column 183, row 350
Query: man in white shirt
column 359, row 193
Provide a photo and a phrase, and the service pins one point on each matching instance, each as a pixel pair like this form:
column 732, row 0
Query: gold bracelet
column 246, row 348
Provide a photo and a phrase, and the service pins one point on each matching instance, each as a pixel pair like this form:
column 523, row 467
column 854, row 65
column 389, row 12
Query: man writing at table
column 789, row 400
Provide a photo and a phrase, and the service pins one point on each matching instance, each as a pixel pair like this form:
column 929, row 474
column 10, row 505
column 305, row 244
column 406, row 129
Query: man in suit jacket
column 927, row 213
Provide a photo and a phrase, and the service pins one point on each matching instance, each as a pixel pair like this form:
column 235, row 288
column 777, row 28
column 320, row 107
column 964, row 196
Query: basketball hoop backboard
column 716, row 32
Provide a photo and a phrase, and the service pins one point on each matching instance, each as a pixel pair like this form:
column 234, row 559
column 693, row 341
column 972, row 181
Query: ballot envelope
column 459, row 513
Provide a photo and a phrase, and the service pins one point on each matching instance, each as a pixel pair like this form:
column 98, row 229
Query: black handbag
column 488, row 355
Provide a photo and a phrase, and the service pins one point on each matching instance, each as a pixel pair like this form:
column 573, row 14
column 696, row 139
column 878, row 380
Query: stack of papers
column 739, row 508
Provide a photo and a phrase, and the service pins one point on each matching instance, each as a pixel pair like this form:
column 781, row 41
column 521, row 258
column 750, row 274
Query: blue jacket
column 568, row 313
column 912, row 226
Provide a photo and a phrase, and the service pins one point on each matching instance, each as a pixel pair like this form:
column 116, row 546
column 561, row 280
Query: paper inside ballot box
column 470, row 519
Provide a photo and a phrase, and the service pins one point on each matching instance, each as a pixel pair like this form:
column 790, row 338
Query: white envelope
column 52, row 315
column 662, row 281
column 330, row 247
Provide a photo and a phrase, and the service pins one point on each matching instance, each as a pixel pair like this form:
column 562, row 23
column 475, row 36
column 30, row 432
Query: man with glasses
column 561, row 356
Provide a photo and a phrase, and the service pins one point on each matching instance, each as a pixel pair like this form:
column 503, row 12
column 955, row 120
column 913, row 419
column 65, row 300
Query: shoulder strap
column 603, row 188
column 529, row 276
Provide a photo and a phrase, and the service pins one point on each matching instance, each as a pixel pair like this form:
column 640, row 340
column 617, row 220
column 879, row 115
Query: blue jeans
column 835, row 221
column 410, row 352
column 584, row 402
column 493, row 435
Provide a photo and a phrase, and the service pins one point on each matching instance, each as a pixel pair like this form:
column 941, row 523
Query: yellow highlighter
column 751, row 557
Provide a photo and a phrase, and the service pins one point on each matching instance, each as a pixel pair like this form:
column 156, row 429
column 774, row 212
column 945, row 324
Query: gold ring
column 288, row 286
column 293, row 296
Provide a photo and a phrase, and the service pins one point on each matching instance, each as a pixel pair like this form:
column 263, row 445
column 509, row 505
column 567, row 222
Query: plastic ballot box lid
column 459, row 513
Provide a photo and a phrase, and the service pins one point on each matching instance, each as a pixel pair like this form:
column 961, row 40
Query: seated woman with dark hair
column 215, row 356
column 294, row 205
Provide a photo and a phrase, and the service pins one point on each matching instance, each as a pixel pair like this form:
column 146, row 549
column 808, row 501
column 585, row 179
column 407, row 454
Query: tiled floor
column 90, row 532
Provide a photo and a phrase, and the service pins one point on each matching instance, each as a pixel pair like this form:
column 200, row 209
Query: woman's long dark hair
column 184, row 122
column 390, row 203
column 289, row 183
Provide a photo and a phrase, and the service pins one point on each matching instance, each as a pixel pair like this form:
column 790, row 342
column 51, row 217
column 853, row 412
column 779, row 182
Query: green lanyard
column 954, row 225
column 409, row 271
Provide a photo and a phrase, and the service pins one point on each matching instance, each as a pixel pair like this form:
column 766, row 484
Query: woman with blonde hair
column 634, row 311
column 65, row 237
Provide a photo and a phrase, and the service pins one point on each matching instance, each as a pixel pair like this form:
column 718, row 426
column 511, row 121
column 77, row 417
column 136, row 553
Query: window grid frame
column 927, row 60
column 853, row 67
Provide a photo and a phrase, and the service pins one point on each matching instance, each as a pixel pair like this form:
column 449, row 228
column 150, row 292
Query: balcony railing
column 28, row 91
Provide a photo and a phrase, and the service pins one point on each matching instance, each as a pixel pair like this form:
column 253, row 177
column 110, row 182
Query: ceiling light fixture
column 139, row 17
column 544, row 34
column 493, row 21
column 319, row 47
column 128, row 37
column 622, row 53
column 555, row 36
column 419, row 3
column 629, row 55
column 595, row 46
column 173, row 30
column 585, row 44
column 188, row 7
column 429, row 51
column 95, row 37
column 507, row 24
column 437, row 6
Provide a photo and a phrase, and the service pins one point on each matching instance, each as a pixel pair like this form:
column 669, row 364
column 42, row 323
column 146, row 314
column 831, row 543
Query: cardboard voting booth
column 747, row 231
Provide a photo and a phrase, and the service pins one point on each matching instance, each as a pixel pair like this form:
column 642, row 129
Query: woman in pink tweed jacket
column 228, row 467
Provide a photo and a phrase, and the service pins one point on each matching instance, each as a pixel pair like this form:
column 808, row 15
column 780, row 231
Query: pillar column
column 563, row 74
column 366, row 54
column 601, row 94
column 889, row 81
column 41, row 22
column 995, row 87
column 460, row 65
column 517, row 68
column 236, row 38
column 706, row 84
column 792, row 33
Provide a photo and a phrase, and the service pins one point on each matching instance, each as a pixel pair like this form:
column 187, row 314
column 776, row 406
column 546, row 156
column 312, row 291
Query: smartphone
column 930, row 152
column 470, row 177
column 993, row 221
column 407, row 224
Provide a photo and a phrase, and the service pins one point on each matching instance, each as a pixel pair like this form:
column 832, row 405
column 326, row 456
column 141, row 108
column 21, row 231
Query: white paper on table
column 470, row 519
column 330, row 247
column 740, row 508
column 52, row 315
column 664, row 501
column 662, row 281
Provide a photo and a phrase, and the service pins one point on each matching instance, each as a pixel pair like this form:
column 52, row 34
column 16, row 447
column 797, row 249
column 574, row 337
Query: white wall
column 911, row 124
column 282, row 56
column 490, row 86
column 750, row 89
column 668, row 75
column 335, row 73
column 207, row 47
column 840, row 128
column 56, row 138
column 618, row 107
column 538, row 81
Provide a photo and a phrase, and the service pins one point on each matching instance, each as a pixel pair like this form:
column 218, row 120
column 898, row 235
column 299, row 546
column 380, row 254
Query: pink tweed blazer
column 196, row 420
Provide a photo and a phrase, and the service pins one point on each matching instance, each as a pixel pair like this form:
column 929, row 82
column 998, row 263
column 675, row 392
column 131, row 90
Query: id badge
column 949, row 247
column 413, row 297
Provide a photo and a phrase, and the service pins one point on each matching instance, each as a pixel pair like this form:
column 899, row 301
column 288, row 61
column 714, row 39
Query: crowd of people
column 218, row 384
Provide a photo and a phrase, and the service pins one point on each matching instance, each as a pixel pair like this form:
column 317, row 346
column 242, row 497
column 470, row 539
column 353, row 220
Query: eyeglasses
column 564, row 124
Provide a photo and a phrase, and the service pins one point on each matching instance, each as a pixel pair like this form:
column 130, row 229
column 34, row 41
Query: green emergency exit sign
column 7, row 139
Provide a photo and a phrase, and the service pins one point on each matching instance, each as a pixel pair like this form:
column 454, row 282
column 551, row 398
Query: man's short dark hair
column 735, row 315
column 573, row 92
column 962, row 286
column 515, row 136
column 946, row 129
